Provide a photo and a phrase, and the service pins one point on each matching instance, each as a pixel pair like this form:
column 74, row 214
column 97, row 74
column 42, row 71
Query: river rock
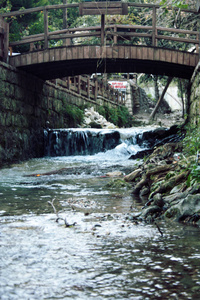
column 158, row 200
column 184, row 208
column 160, row 136
column 144, row 191
column 151, row 210
column 114, row 174
column 93, row 119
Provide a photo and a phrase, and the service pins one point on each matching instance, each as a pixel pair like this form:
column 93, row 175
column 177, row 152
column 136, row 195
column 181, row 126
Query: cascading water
column 66, row 142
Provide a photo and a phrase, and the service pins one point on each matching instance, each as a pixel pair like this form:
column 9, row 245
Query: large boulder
column 185, row 208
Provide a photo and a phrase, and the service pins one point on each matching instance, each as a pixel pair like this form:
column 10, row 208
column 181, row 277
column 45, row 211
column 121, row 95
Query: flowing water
column 103, row 254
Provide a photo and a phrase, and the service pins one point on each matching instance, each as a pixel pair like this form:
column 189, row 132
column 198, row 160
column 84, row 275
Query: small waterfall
column 80, row 141
column 66, row 142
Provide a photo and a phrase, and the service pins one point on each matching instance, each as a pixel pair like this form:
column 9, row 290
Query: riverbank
column 168, row 181
column 161, row 119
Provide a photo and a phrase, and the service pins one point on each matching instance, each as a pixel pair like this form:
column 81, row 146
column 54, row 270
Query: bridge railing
column 92, row 88
column 133, row 34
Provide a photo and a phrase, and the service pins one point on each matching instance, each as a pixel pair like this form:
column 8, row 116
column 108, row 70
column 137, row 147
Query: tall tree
column 24, row 24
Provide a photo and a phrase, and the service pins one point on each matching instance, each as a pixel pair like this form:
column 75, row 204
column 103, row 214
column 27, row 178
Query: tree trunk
column 182, row 99
column 156, row 89
column 161, row 98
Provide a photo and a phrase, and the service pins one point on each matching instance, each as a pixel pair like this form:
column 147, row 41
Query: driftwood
column 140, row 185
column 58, row 217
column 147, row 179
column 155, row 171
column 158, row 170
column 132, row 176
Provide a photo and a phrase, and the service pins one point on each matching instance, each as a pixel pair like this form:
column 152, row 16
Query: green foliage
column 191, row 147
column 73, row 115
column 124, row 118
column 118, row 183
column 191, row 142
column 33, row 23
column 23, row 25
column 117, row 115
column 101, row 110
column 194, row 176
column 175, row 3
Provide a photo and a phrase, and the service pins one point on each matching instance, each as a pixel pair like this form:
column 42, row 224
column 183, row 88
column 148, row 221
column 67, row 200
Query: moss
column 172, row 213
column 118, row 183
column 72, row 114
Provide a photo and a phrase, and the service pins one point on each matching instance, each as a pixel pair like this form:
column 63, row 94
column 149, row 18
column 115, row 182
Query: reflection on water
column 105, row 255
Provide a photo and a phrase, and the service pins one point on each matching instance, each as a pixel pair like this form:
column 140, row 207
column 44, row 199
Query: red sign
column 119, row 85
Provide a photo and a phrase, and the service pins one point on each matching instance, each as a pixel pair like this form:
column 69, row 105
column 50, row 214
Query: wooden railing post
column 79, row 85
column 198, row 43
column 115, row 35
column 154, row 30
column 102, row 30
column 66, row 41
column 96, row 88
column 46, row 30
column 68, row 83
column 64, row 15
column 88, row 87
column 117, row 96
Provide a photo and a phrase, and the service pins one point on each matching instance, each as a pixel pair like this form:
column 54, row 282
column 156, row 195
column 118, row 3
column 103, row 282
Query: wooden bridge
column 117, row 48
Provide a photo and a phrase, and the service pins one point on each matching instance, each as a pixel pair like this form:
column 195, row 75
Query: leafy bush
column 191, row 142
column 117, row 115
column 191, row 147
column 73, row 115
column 124, row 117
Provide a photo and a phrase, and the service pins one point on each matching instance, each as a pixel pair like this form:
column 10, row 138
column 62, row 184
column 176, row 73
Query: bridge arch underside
column 76, row 60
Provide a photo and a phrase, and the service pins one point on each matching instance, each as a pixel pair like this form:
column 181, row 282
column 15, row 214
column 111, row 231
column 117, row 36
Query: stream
column 102, row 254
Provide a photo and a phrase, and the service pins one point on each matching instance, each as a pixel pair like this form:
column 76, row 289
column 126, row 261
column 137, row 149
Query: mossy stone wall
column 27, row 105
column 194, row 107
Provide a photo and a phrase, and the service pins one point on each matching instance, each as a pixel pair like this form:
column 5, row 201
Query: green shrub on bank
column 191, row 142
column 119, row 116
column 73, row 115
column 191, row 149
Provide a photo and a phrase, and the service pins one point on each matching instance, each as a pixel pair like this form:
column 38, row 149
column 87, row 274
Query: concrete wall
column 194, row 107
column 26, row 104
column 171, row 96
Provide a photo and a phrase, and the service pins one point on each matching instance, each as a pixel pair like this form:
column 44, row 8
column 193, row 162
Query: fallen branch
column 139, row 185
column 158, row 228
column 57, row 215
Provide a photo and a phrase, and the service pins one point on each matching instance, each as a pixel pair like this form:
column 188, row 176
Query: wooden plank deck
column 75, row 60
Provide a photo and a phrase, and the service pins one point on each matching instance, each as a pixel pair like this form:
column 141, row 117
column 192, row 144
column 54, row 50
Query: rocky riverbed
column 164, row 179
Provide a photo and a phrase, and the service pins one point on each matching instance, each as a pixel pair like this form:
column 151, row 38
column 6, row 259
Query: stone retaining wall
column 26, row 104
column 194, row 108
